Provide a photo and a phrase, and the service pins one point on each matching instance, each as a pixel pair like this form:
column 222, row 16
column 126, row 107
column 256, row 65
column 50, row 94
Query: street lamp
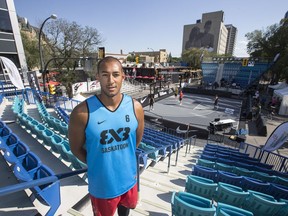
column 53, row 16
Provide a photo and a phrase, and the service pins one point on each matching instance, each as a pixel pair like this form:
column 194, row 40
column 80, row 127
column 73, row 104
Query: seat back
column 205, row 172
column 278, row 191
column 200, row 186
column 254, row 184
column 229, row 210
column 205, row 163
column 230, row 194
column 262, row 204
column 229, row 178
column 186, row 204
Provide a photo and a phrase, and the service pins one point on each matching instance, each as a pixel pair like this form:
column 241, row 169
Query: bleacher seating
column 27, row 167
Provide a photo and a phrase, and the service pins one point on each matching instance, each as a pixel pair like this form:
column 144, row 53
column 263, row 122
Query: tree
column 268, row 43
column 31, row 50
column 194, row 57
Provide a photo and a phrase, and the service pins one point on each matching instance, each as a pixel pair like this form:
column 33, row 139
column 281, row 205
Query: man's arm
column 140, row 117
column 76, row 131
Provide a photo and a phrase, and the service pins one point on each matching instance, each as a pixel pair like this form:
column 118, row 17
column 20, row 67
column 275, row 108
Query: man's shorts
column 107, row 207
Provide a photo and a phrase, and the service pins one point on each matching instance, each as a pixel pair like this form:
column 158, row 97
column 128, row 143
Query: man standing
column 111, row 125
column 216, row 101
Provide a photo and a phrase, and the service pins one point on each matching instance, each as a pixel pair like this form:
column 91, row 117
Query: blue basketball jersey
column 111, row 146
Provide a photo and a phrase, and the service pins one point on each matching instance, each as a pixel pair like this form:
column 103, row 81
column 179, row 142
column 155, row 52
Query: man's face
column 110, row 77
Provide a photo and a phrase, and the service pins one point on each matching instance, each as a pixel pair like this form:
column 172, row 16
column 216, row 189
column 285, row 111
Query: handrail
column 50, row 179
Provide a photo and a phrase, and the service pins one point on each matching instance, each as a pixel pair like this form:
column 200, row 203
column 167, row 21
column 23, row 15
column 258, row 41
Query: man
column 111, row 125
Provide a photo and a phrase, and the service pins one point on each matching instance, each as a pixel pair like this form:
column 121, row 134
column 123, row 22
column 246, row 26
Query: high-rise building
column 10, row 39
column 209, row 33
column 231, row 39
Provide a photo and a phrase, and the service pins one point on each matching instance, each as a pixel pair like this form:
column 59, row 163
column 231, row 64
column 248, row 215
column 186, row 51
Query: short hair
column 107, row 59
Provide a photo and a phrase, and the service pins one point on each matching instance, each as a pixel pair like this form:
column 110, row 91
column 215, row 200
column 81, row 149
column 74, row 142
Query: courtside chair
column 205, row 172
column 200, row 186
column 16, row 152
column 254, row 184
column 205, row 163
column 229, row 210
column 230, row 194
column 186, row 204
column 229, row 178
column 262, row 204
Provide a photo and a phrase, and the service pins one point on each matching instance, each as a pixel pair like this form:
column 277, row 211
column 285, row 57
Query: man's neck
column 111, row 102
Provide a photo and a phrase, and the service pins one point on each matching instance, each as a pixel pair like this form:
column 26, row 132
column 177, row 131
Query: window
column 5, row 23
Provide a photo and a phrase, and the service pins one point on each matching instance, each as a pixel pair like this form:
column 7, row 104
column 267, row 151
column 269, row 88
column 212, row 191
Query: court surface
column 197, row 110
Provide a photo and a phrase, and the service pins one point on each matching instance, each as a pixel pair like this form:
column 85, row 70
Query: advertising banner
column 277, row 138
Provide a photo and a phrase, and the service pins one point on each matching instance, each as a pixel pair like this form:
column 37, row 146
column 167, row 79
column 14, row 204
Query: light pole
column 53, row 16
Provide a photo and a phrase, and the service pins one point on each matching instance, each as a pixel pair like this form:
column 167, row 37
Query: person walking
column 104, row 132
column 181, row 96
column 151, row 102
column 216, row 101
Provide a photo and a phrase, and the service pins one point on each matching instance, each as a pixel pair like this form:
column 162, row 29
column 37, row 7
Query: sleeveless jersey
column 111, row 147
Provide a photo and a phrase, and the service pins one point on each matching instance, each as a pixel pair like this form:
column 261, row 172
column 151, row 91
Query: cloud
column 240, row 49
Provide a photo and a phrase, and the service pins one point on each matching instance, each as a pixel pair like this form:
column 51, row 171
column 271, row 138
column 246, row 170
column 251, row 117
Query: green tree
column 31, row 50
column 194, row 57
column 271, row 42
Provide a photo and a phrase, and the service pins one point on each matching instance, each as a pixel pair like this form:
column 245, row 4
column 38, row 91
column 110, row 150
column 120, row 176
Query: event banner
column 277, row 138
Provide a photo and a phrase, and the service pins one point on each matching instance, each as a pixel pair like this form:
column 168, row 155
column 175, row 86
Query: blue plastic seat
column 262, row 204
column 225, row 161
column 47, row 134
column 264, row 176
column 206, row 163
column 243, row 171
column 186, row 204
column 223, row 167
column 205, row 172
column 230, row 194
column 56, row 140
column 229, row 178
column 200, row 186
column 38, row 131
column 16, row 152
column 278, row 191
column 281, row 181
column 48, row 194
column 229, row 210
column 207, row 157
column 254, row 184
column 25, row 168
column 8, row 142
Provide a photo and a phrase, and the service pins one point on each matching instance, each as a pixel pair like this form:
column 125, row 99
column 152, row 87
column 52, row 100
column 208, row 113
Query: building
column 160, row 56
column 208, row 33
column 231, row 39
column 10, row 39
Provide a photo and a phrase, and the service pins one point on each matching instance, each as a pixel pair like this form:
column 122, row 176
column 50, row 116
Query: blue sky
column 133, row 25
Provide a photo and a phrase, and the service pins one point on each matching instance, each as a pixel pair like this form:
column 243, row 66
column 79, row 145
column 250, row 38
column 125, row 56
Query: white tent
column 283, row 94
column 10, row 68
column 280, row 85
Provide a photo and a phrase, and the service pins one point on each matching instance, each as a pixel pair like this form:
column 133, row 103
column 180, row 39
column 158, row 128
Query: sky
column 131, row 25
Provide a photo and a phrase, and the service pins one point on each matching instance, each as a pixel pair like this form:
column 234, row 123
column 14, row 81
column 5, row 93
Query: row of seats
column 57, row 143
column 62, row 115
column 240, row 171
column 51, row 121
column 231, row 158
column 186, row 204
column 246, row 183
column 27, row 167
column 256, row 202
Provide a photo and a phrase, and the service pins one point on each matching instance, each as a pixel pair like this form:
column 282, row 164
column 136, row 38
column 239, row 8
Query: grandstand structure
column 234, row 72
column 178, row 174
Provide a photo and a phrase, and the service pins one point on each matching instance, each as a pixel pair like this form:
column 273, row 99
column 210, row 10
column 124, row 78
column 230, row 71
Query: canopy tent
column 281, row 92
column 10, row 68
column 280, row 85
